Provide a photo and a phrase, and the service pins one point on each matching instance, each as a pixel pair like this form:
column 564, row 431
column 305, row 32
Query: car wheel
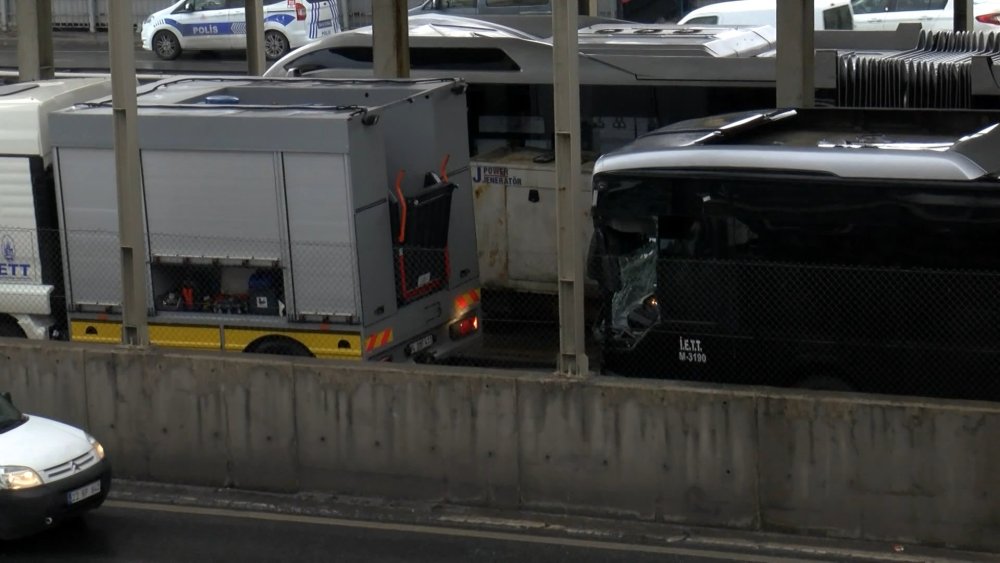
column 279, row 346
column 10, row 329
column 166, row 46
column 275, row 45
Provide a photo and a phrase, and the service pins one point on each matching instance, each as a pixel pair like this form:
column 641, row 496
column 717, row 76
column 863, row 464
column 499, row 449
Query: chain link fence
column 902, row 331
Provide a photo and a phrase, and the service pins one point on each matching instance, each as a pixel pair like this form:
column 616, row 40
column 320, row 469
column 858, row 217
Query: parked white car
column 828, row 14
column 49, row 471
column 931, row 14
column 217, row 25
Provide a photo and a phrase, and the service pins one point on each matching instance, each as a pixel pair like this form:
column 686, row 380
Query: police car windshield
column 10, row 417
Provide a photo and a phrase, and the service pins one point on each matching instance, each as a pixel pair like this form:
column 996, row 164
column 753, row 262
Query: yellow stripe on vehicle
column 102, row 332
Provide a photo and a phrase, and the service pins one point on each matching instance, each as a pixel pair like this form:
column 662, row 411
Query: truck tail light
column 465, row 327
column 992, row 19
column 300, row 12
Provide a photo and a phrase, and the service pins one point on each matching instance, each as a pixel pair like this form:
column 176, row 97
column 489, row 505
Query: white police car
column 217, row 25
column 49, row 471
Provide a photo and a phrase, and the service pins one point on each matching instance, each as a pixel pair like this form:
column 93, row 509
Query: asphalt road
column 82, row 51
column 126, row 531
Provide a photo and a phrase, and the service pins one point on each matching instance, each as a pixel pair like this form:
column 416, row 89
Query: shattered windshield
column 638, row 290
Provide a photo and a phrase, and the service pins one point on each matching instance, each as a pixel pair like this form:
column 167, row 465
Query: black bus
column 826, row 248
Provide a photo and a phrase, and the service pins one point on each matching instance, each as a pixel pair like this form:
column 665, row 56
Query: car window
column 915, row 5
column 513, row 3
column 202, row 5
column 8, row 413
column 703, row 20
column 870, row 6
column 446, row 4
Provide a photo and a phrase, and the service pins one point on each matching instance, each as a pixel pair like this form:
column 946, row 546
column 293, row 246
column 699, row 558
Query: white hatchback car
column 49, row 471
column 217, row 25
column 828, row 14
column 930, row 14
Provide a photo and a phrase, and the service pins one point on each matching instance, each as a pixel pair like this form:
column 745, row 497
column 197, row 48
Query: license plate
column 323, row 24
column 84, row 492
column 421, row 344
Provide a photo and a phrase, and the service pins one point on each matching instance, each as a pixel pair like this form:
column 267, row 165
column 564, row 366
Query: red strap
column 402, row 206
column 444, row 167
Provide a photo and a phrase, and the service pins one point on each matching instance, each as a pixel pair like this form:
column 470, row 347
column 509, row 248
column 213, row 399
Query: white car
column 931, row 14
column 49, row 471
column 217, row 25
column 828, row 14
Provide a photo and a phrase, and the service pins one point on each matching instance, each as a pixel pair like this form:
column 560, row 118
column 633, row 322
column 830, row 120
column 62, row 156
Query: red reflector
column 464, row 327
column 300, row 12
column 992, row 19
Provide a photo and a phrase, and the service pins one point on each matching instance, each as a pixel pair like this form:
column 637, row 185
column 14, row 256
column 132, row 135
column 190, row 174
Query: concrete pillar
column 135, row 330
column 392, row 39
column 256, row 61
column 795, row 73
column 566, row 65
column 92, row 15
column 963, row 15
column 34, row 40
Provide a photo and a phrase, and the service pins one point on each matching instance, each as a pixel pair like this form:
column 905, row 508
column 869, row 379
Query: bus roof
column 941, row 145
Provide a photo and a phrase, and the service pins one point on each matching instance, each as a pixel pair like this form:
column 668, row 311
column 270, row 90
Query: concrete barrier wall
column 842, row 466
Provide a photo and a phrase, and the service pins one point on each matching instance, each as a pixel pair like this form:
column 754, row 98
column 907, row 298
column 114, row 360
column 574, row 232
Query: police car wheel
column 275, row 45
column 166, row 46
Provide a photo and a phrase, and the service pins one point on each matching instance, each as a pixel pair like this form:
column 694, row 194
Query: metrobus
column 826, row 248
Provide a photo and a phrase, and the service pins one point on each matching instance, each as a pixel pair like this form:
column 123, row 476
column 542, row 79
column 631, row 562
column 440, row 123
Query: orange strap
column 402, row 206
column 444, row 167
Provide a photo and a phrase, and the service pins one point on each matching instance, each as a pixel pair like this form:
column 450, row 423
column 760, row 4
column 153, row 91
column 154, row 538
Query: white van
column 49, row 471
column 829, row 14
column 218, row 25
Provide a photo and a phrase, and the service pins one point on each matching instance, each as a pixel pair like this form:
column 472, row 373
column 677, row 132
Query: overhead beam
column 35, row 59
column 796, row 74
column 391, row 36
column 256, row 61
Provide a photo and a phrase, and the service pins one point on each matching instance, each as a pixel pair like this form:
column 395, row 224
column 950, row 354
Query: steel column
column 963, row 15
column 256, row 61
column 392, row 39
column 135, row 331
column 34, row 40
column 92, row 15
column 795, row 72
column 569, row 212
column 3, row 15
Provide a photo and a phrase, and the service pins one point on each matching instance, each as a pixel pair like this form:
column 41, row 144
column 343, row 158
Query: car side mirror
column 6, row 395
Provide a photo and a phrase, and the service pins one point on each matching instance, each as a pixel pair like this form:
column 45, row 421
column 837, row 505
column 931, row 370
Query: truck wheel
column 10, row 329
column 166, row 46
column 279, row 346
column 275, row 45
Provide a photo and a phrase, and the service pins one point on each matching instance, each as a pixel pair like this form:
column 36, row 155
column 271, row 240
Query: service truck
column 31, row 284
column 314, row 217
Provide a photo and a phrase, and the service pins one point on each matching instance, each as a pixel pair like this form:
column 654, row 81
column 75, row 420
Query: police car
column 49, row 471
column 217, row 25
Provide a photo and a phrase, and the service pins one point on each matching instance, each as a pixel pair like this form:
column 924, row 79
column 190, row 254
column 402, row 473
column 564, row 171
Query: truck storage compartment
column 421, row 224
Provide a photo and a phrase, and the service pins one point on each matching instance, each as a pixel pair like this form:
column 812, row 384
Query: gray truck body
column 291, row 176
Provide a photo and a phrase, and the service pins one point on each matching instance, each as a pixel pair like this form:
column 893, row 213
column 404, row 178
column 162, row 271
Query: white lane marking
column 453, row 532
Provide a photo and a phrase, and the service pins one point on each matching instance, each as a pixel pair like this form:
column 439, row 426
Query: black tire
column 10, row 329
column 275, row 45
column 278, row 346
column 824, row 383
column 166, row 45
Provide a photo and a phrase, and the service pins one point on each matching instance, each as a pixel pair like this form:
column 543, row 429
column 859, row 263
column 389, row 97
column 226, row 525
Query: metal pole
column 92, row 15
column 34, row 40
column 3, row 15
column 135, row 331
column 963, row 15
column 795, row 73
column 566, row 82
column 256, row 61
column 392, row 39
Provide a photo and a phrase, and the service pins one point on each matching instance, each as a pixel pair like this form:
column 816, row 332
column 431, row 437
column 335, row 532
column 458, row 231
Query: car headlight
column 98, row 448
column 13, row 478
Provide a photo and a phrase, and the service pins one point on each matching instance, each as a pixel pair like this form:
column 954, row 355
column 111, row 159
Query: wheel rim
column 165, row 46
column 274, row 45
